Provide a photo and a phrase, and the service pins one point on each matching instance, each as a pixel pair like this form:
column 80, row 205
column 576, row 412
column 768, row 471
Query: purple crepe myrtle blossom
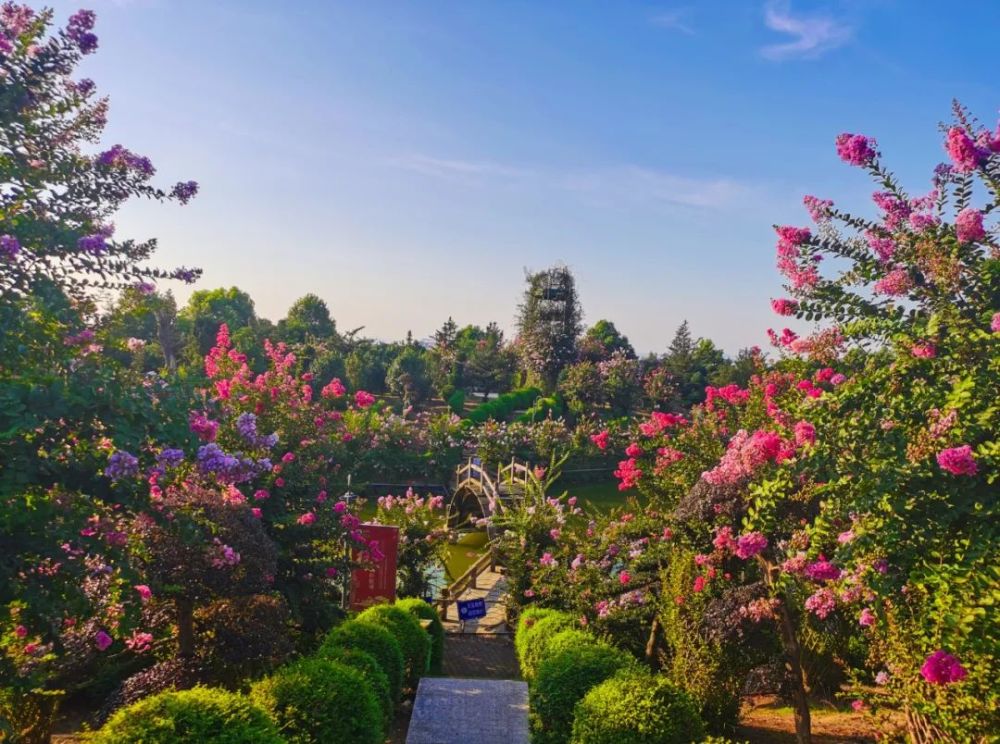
column 122, row 465
column 9, row 246
column 184, row 191
column 79, row 30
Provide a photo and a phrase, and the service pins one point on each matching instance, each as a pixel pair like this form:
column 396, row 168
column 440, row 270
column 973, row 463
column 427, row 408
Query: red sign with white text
column 377, row 584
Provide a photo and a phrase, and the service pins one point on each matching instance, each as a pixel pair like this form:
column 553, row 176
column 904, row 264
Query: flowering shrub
column 55, row 227
column 844, row 496
column 423, row 538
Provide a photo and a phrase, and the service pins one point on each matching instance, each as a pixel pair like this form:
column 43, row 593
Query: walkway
column 460, row 711
column 482, row 698
column 492, row 587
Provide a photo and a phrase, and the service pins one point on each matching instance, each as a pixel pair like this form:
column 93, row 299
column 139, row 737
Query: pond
column 469, row 546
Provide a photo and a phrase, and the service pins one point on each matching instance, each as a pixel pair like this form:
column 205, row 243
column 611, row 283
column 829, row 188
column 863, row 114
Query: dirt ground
column 768, row 722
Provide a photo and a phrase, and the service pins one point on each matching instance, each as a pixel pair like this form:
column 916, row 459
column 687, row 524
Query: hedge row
column 542, row 407
column 583, row 690
column 347, row 692
column 503, row 405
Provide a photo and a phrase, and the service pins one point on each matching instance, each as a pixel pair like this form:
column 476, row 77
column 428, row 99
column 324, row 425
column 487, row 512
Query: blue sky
column 407, row 160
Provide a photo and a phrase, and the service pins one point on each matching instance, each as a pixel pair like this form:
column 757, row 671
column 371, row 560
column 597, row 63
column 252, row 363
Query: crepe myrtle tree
column 56, row 198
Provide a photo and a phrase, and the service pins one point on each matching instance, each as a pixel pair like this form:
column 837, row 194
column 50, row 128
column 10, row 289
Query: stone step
column 448, row 710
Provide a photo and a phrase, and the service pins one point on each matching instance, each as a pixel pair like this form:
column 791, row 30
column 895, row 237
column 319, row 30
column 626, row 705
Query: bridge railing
column 467, row 580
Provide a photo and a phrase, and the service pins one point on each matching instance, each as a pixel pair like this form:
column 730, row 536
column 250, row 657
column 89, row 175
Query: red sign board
column 378, row 584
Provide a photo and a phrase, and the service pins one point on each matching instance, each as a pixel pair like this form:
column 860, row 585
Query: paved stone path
column 492, row 587
column 480, row 655
column 463, row 711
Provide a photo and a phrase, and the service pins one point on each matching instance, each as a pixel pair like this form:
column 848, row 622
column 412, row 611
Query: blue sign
column 470, row 609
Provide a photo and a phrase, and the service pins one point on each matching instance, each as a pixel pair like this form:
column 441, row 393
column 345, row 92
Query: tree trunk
column 793, row 665
column 651, row 643
column 185, row 627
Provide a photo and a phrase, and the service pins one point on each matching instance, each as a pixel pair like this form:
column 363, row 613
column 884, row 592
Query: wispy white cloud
column 634, row 185
column 676, row 19
column 448, row 168
column 614, row 186
column 812, row 35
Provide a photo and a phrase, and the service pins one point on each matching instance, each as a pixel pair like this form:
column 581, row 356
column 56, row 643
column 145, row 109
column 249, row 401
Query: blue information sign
column 470, row 609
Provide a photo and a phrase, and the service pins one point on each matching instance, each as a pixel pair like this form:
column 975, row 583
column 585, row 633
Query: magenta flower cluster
column 941, row 668
column 856, row 149
column 958, row 460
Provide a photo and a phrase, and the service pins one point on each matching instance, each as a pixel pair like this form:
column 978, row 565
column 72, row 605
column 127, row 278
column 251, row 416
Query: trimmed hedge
column 542, row 407
column 503, row 405
column 565, row 677
column 530, row 643
column 315, row 701
column 372, row 639
column 637, row 709
column 365, row 663
column 413, row 641
column 200, row 715
column 456, row 402
column 423, row 611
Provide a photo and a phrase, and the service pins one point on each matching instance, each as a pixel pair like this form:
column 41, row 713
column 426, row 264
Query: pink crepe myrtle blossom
column 307, row 518
column 334, row 389
column 856, row 149
column 958, row 460
column 102, row 640
column 845, row 537
column 819, row 209
column 883, row 247
column 724, row 541
column 858, row 706
column 578, row 561
column 624, row 578
column 205, row 428
column 628, row 474
column 821, row 603
column 547, row 559
column 969, row 226
column 822, row 570
column 867, row 618
column 923, row 350
column 750, row 544
column 965, row 155
column 145, row 593
column 601, row 439
column 257, row 512
column 363, row 399
column 139, row 642
column 633, row 450
column 805, row 434
column 784, row 306
column 941, row 668
column 745, row 454
column 699, row 584
column 894, row 284
column 555, row 533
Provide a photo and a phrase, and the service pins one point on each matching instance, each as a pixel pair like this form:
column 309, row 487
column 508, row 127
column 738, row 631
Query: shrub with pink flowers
column 423, row 538
column 843, row 501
